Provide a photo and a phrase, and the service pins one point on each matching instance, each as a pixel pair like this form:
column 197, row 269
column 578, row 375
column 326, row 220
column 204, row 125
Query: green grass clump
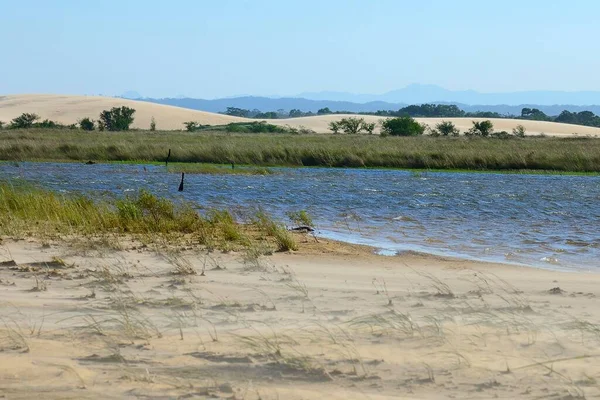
column 283, row 238
column 30, row 210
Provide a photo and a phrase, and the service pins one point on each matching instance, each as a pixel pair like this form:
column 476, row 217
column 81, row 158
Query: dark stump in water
column 181, row 184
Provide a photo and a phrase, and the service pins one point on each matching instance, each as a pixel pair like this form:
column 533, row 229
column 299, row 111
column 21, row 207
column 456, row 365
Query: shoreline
column 226, row 167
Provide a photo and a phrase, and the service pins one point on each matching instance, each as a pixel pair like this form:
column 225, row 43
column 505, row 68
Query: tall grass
column 31, row 210
column 576, row 154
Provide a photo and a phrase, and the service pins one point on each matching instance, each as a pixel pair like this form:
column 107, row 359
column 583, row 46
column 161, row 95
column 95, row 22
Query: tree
column 24, row 121
column 519, row 131
column 335, row 127
column 431, row 110
column 267, row 115
column 295, row 113
column 482, row 128
column 116, row 119
column 369, row 127
column 447, row 128
column 86, row 124
column 534, row 114
column 351, row 125
column 402, row 126
column 237, row 112
column 324, row 111
column 152, row 124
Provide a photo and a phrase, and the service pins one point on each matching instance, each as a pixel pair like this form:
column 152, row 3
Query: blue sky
column 216, row 48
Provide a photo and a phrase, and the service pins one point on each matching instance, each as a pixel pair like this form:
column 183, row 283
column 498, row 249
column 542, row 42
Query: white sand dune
column 69, row 109
column 320, row 124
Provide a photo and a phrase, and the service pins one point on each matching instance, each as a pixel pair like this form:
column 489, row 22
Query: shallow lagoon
column 549, row 221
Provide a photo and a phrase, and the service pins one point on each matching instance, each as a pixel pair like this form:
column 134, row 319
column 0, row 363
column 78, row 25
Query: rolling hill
column 69, row 109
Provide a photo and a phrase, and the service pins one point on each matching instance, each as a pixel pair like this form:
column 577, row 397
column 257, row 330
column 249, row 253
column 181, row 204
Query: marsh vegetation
column 577, row 154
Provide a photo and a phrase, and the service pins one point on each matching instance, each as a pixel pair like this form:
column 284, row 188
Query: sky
column 219, row 48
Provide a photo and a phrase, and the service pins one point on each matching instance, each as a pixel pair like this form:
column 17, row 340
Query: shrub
column 24, row 121
column 47, row 124
column 482, row 128
column 501, row 135
column 369, row 127
column 519, row 131
column 254, row 127
column 87, row 124
column 447, row 128
column 352, row 125
column 1, row 124
column 335, row 127
column 402, row 126
column 192, row 126
column 152, row 124
column 303, row 130
column 116, row 119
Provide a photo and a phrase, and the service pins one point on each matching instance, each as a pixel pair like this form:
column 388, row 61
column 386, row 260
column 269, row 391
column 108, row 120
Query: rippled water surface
column 540, row 220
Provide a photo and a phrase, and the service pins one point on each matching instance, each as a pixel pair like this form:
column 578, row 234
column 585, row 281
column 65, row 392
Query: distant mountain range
column 550, row 102
column 418, row 94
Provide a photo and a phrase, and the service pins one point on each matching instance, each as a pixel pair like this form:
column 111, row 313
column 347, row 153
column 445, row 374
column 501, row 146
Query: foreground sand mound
column 331, row 321
column 69, row 109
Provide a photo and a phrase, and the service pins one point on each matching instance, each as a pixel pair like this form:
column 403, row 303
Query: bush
column 87, row 124
column 1, row 124
column 152, row 124
column 335, row 127
column 24, row 121
column 369, row 127
column 447, row 128
column 254, row 127
column 402, row 126
column 501, row 135
column 482, row 128
column 352, row 125
column 48, row 124
column 192, row 126
column 116, row 119
column 519, row 131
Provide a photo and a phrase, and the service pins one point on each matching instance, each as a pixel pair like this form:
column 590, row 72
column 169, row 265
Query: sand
column 70, row 109
column 331, row 321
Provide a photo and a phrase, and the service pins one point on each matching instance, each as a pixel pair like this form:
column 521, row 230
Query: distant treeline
column 586, row 118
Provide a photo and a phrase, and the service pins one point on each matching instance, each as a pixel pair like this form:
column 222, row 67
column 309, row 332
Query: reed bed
column 577, row 154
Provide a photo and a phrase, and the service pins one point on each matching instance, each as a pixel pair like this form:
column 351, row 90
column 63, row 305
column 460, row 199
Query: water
column 537, row 220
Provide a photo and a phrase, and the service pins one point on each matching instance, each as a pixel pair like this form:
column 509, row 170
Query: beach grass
column 577, row 154
column 30, row 210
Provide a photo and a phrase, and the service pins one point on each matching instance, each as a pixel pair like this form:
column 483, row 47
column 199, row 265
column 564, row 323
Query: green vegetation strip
column 29, row 210
column 422, row 152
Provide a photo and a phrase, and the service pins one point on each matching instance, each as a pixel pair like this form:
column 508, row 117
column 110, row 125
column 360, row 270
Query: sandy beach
column 68, row 109
column 91, row 319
